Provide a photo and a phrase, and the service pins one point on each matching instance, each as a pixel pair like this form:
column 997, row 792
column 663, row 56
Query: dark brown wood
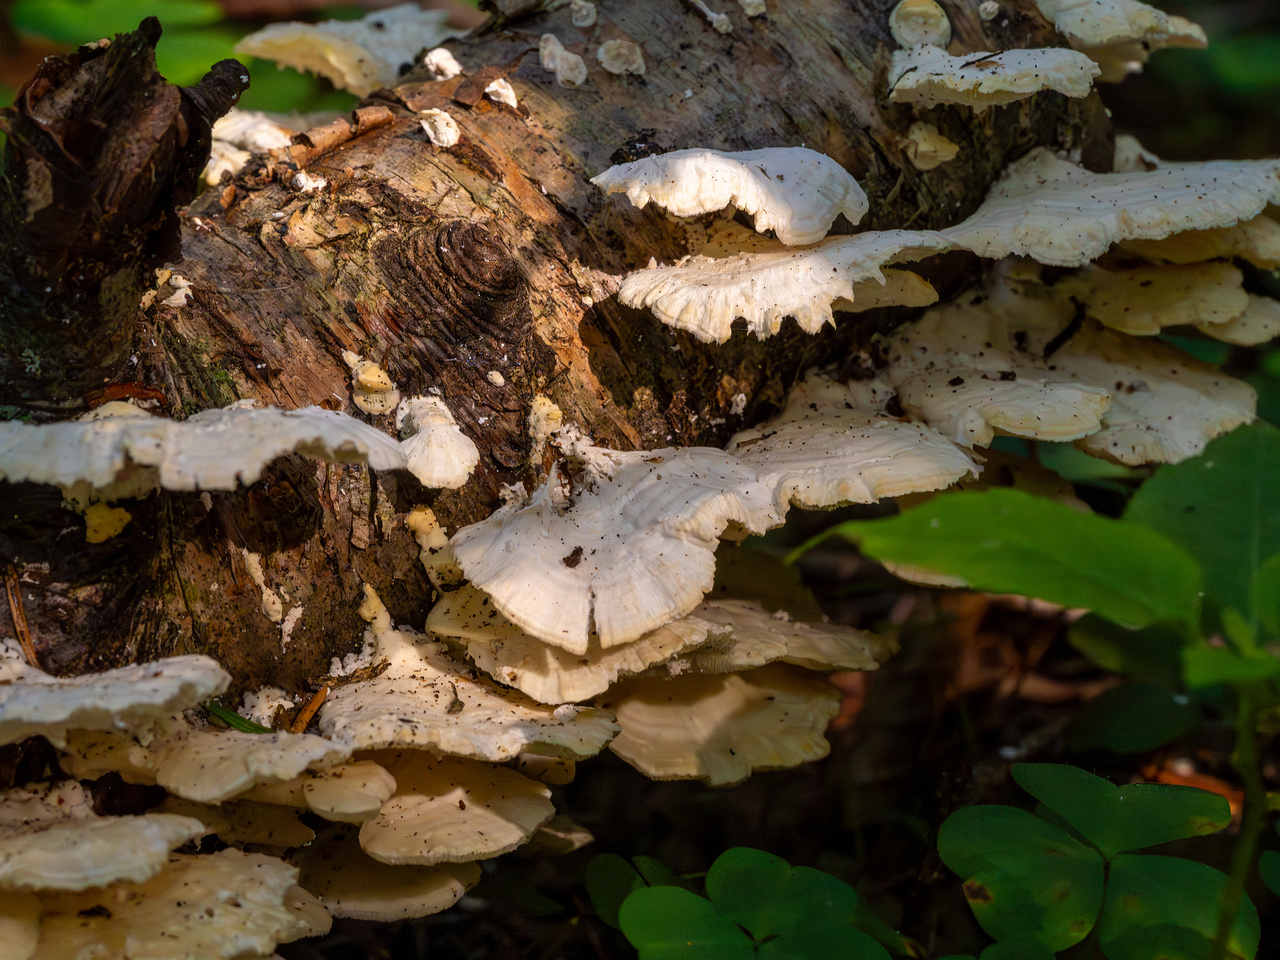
column 494, row 255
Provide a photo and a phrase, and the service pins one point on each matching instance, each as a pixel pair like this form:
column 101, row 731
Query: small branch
column 13, row 591
column 304, row 716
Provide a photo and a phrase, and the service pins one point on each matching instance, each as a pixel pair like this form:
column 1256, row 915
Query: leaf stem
column 1255, row 808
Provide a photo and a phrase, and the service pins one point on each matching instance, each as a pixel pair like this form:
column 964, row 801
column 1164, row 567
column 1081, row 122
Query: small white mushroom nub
column 621, row 57
column 569, row 68
column 919, row 21
column 500, row 91
column 720, row 22
column 793, row 191
column 927, row 148
column 582, row 13
column 372, row 389
column 441, row 63
column 440, row 128
column 436, row 450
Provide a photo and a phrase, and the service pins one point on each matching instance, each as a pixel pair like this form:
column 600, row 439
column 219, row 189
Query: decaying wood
column 448, row 265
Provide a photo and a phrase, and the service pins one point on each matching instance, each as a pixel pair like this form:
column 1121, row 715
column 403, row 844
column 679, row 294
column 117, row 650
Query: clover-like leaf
column 1024, row 877
column 824, row 940
column 1116, row 819
column 610, row 880
column 769, row 897
column 670, row 923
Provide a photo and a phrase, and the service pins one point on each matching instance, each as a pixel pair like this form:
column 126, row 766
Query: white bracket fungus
column 1259, row 323
column 500, row 91
column 704, row 295
column 132, row 699
column 793, row 191
column 914, row 22
column 357, row 55
column 721, row 728
column 621, row 57
column 239, row 822
column 217, row 907
column 440, row 128
column 350, row 883
column 436, row 450
column 634, row 549
column 441, row 63
column 547, row 673
column 833, row 443
column 1256, row 240
column 928, row 75
column 569, row 68
column 372, row 388
column 447, row 810
column 434, row 550
column 213, row 450
column 1120, row 34
column 1061, row 214
column 426, row 700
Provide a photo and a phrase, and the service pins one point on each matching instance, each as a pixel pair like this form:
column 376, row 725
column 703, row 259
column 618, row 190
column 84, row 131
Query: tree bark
column 447, row 265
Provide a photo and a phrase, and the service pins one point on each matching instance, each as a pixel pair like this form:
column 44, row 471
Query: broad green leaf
column 1206, row 666
column 1159, row 942
column 1023, row 877
column 80, row 21
column 1152, row 654
column 655, row 872
column 1133, row 718
column 1010, row 542
column 1222, row 507
column 823, row 940
column 768, row 897
column 1116, row 819
column 185, row 56
column 1269, row 868
column 1265, row 595
column 1019, row 948
column 1153, row 891
column 670, row 923
column 610, row 880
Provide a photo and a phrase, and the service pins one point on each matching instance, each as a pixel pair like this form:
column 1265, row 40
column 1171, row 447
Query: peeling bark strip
column 100, row 152
column 484, row 270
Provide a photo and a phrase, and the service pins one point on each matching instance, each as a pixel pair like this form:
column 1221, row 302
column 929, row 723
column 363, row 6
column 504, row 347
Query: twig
column 13, row 590
column 300, row 723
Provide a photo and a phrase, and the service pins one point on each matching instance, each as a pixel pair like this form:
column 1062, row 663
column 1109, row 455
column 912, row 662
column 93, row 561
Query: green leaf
column 185, row 56
column 655, row 872
column 1269, row 868
column 1264, row 595
column 1010, row 542
column 1116, row 819
column 1159, row 942
column 769, row 897
column 1206, row 666
column 81, row 21
column 1152, row 654
column 823, row 940
column 1023, row 877
column 610, row 880
column 1151, row 891
column 1071, row 463
column 1019, row 948
column 234, row 720
column 1133, row 718
column 670, row 923
column 1222, row 507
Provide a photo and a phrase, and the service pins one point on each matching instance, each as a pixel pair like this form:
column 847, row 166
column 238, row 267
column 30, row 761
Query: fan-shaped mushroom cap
column 244, row 821
column 350, row 883
column 919, row 21
column 704, row 295
column 793, row 191
column 927, row 148
column 900, row 288
column 213, row 450
column 440, row 127
column 229, row 904
column 955, row 369
column 132, row 698
column 556, row 837
column 438, row 453
column 357, row 55
column 928, row 75
column 352, row 792
column 1259, row 323
column 447, row 810
column 90, row 754
column 34, row 806
column 722, row 728
column 1061, row 214
column 424, row 699
column 79, row 853
column 634, row 550
column 1142, row 300
column 569, row 68
column 1256, row 240
column 834, row 443
column 434, row 550
column 1120, row 34
column 547, row 673
column 582, row 13
column 210, row 766
column 759, row 637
